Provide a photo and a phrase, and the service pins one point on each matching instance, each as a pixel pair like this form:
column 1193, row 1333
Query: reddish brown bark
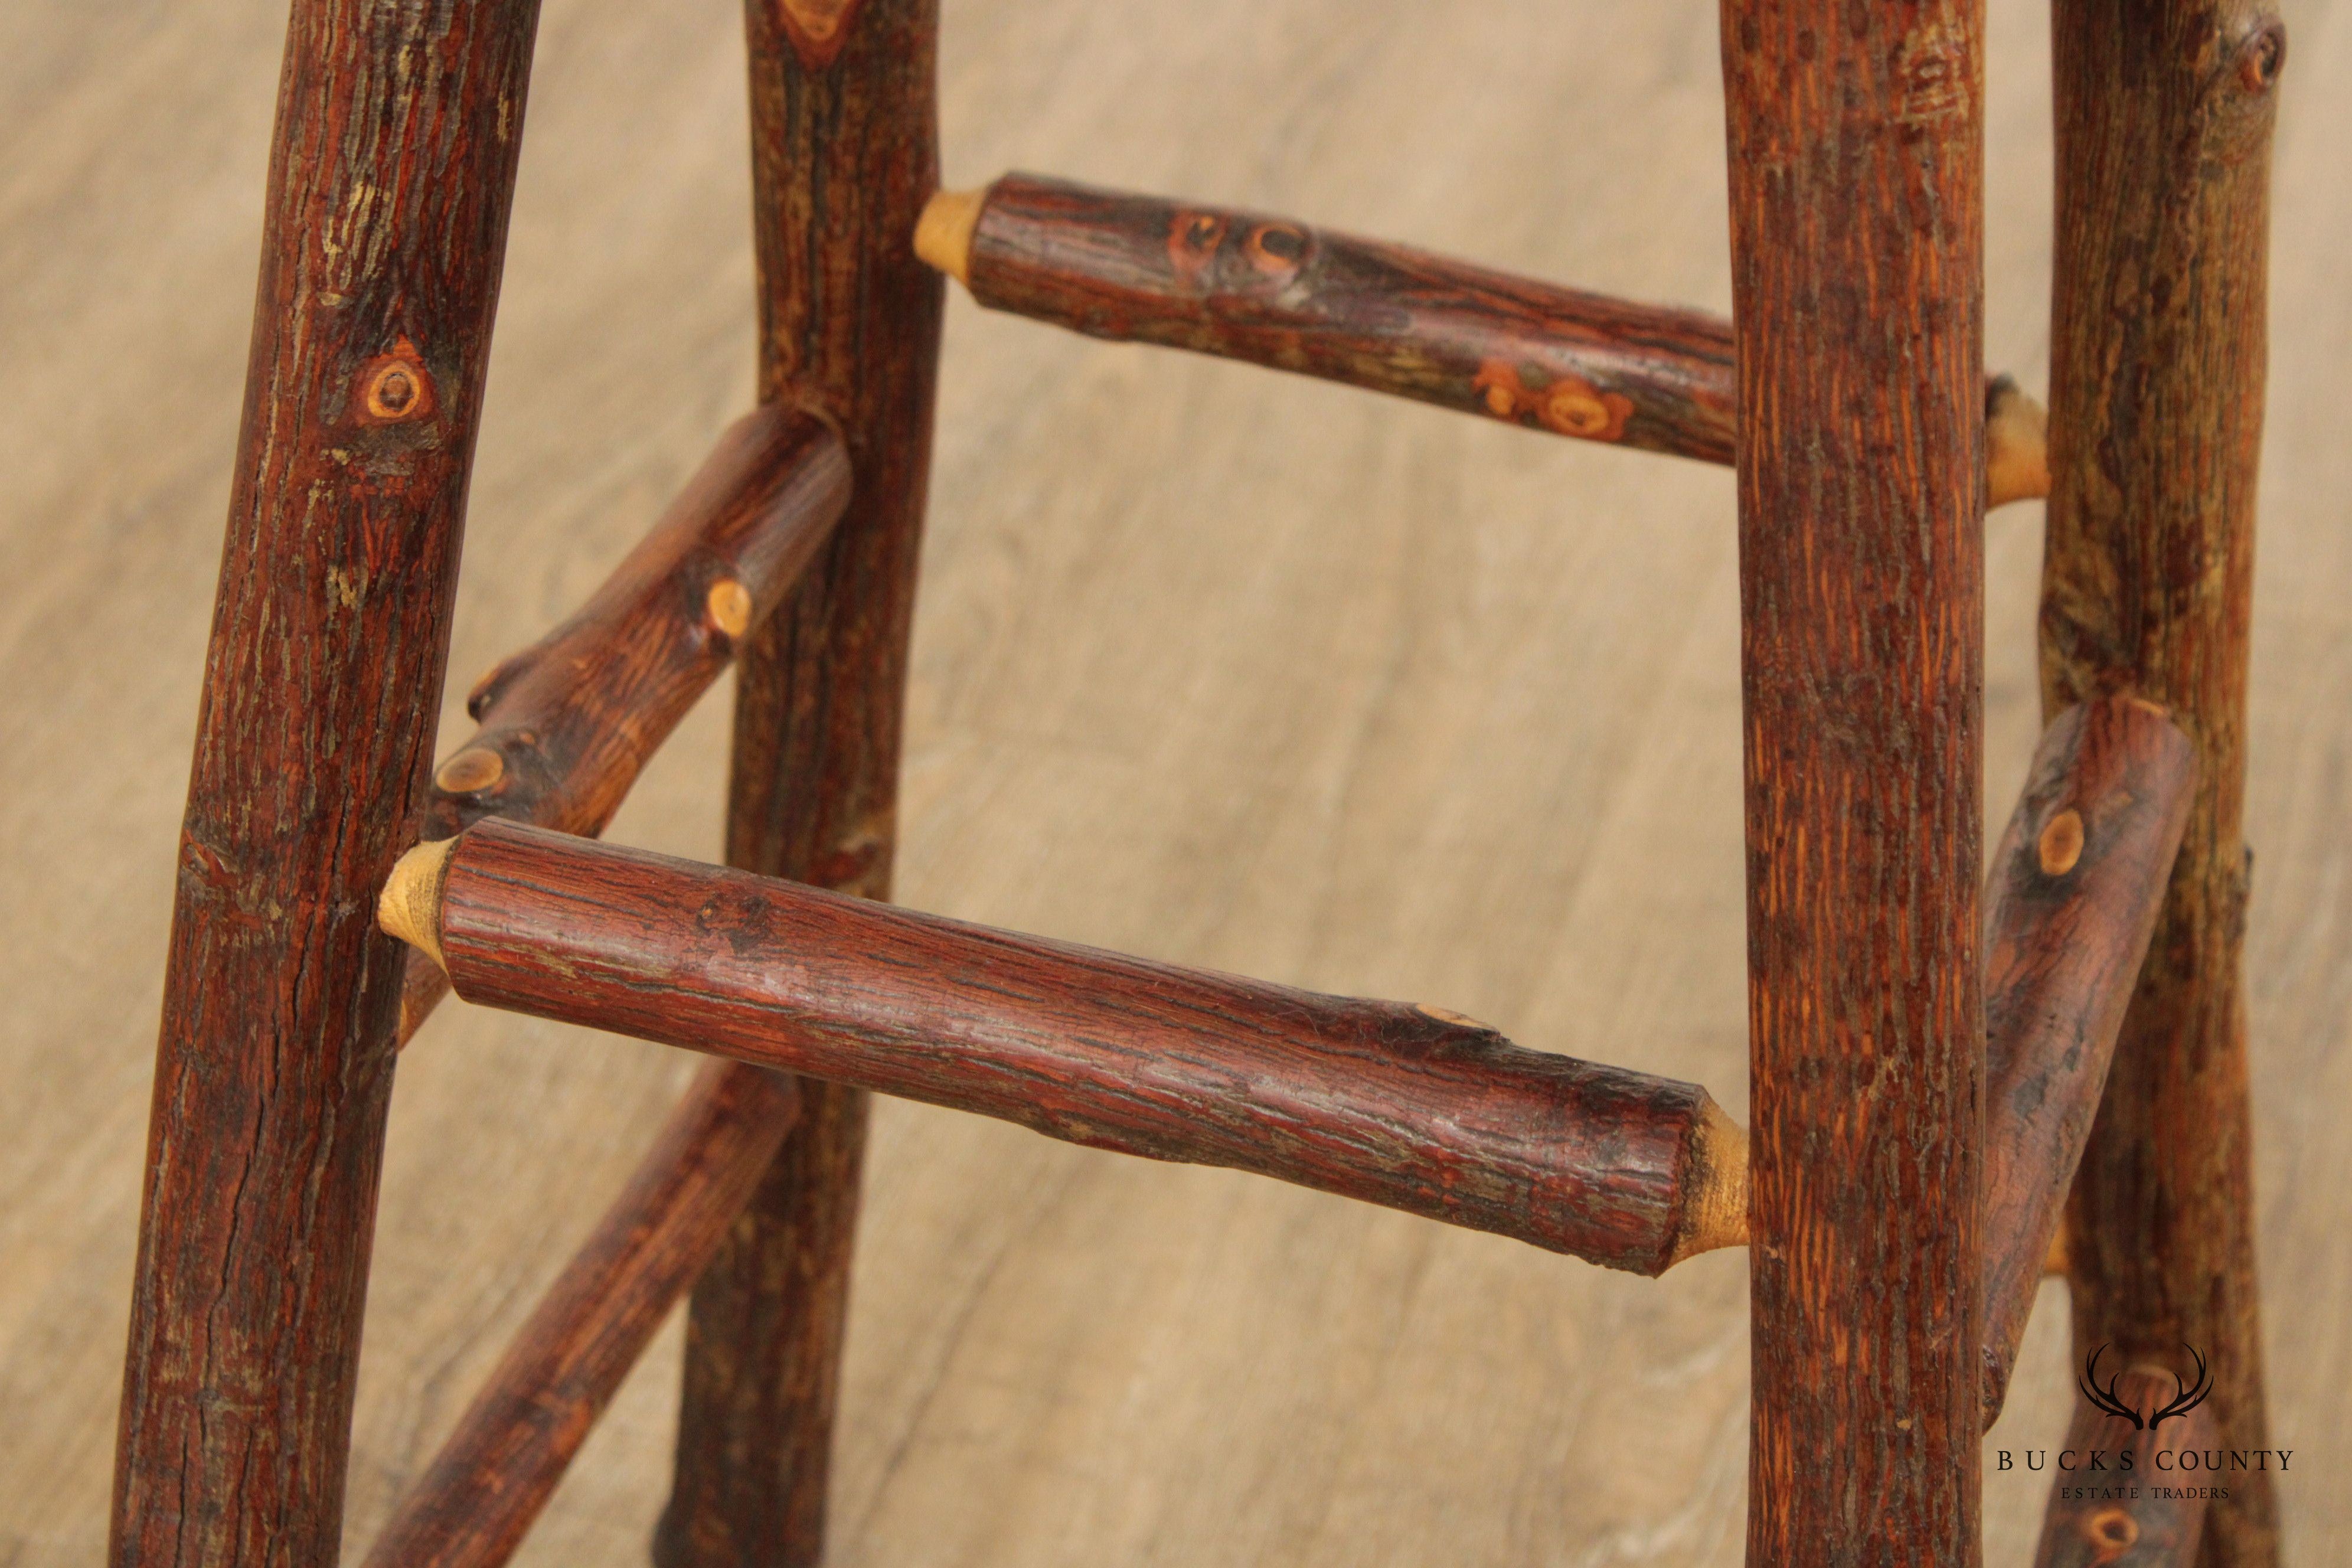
column 845, row 150
column 2158, row 339
column 1388, row 318
column 386, row 220
column 1856, row 266
column 2125, row 1496
column 490, row 1480
column 567, row 722
column 1408, row 1107
column 2075, row 886
column 1279, row 293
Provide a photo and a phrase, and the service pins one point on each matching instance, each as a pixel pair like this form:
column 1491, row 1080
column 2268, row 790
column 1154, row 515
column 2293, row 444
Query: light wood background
column 1212, row 664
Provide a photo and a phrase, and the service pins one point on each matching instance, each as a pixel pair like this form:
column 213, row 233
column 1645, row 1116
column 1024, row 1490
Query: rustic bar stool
column 1938, row 1062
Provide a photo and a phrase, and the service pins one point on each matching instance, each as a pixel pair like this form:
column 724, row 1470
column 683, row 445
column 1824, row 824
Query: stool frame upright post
column 845, row 151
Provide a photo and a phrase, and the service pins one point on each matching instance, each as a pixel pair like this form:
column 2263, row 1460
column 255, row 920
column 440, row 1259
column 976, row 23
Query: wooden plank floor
column 1213, row 665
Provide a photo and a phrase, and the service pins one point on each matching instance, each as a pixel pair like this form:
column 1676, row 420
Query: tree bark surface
column 567, row 722
column 845, row 151
column 1413, row 1108
column 2073, row 898
column 385, row 227
column 2159, row 338
column 1856, row 220
column 486, row 1484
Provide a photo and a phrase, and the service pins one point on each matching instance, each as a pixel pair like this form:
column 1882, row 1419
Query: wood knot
column 1574, row 407
column 817, row 29
column 2262, row 57
column 2111, row 1530
column 393, row 392
column 1448, row 1015
column 1276, row 249
column 1570, row 406
column 486, row 690
column 471, row 771
column 1193, row 238
column 730, row 606
column 2061, row 845
column 1932, row 80
column 396, row 388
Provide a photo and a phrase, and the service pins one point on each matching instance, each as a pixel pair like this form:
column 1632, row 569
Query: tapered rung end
column 943, row 232
column 1717, row 1212
column 2016, row 444
column 410, row 907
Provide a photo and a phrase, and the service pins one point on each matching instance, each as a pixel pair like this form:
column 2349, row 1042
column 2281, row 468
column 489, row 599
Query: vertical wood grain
column 398, row 128
column 1855, row 148
column 2159, row 340
column 845, row 151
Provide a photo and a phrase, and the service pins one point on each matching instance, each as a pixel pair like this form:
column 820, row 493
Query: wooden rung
column 489, row 1482
column 1276, row 292
column 2069, row 905
column 2151, row 1515
column 567, row 722
column 1413, row 1108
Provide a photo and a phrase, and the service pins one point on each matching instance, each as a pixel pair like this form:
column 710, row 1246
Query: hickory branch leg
column 845, row 151
column 2159, row 336
column 386, row 223
column 1856, row 222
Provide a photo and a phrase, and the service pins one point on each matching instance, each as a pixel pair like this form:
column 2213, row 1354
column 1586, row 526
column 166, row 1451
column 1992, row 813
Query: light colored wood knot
column 410, row 907
column 2062, row 843
column 393, row 393
column 396, row 388
column 730, row 604
column 943, row 232
column 1448, row 1015
column 471, row 771
column 2111, row 1530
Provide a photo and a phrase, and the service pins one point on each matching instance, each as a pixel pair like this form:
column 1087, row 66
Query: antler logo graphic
column 2185, row 1397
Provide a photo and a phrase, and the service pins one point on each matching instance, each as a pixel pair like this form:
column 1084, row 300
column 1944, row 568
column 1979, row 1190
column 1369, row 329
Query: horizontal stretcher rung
column 1174, row 1063
column 1276, row 292
column 1408, row 1107
column 474, row 1503
column 567, row 722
